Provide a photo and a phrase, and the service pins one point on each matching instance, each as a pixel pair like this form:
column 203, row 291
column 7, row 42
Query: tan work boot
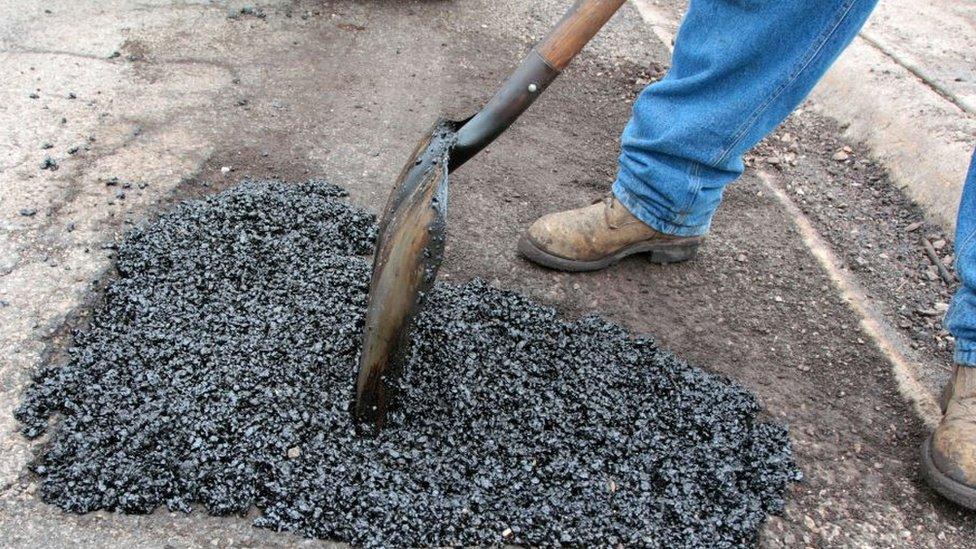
column 949, row 454
column 599, row 235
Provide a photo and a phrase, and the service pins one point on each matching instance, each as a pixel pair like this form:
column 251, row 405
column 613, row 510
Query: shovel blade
column 408, row 252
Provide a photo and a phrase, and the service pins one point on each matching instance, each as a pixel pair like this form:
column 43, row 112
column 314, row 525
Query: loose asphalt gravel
column 217, row 371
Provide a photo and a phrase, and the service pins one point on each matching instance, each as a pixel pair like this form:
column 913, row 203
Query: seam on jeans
column 951, row 312
column 970, row 240
column 693, row 190
column 954, row 312
column 821, row 41
column 961, row 250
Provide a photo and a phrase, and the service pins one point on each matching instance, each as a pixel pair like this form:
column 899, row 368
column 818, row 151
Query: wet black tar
column 217, row 372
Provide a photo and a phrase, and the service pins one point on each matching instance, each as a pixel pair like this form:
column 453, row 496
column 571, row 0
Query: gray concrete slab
column 935, row 38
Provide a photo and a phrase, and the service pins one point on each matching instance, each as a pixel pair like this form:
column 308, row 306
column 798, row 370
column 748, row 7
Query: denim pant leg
column 961, row 319
column 739, row 67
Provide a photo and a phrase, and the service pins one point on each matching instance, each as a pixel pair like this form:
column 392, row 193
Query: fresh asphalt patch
column 217, row 371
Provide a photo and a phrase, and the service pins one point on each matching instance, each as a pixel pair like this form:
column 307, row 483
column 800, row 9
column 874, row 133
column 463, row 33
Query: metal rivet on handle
column 533, row 88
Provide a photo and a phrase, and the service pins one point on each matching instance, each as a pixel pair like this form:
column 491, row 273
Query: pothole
column 218, row 368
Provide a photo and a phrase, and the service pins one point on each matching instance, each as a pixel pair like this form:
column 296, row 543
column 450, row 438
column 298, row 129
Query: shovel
column 411, row 233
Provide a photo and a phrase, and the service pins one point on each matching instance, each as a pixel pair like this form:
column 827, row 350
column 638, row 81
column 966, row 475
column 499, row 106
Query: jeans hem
column 641, row 211
column 965, row 354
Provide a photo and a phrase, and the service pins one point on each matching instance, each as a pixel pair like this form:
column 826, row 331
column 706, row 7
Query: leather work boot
column 949, row 454
column 599, row 235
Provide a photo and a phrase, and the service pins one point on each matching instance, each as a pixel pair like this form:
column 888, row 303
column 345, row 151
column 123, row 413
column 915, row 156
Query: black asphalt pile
column 217, row 371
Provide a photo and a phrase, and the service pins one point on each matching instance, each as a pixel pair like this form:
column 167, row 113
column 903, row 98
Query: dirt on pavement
column 877, row 231
column 304, row 92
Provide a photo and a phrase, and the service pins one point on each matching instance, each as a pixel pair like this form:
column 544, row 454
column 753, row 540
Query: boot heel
column 674, row 254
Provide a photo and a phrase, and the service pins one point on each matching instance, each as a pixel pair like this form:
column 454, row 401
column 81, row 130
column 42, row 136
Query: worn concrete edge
column 888, row 341
column 910, row 126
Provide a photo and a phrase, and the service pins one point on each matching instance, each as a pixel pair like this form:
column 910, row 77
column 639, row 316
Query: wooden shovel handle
column 532, row 77
column 575, row 29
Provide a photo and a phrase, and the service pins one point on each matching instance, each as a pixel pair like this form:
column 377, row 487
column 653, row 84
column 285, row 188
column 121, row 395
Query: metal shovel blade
column 408, row 252
column 411, row 239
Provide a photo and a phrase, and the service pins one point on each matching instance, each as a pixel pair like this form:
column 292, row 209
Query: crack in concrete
column 918, row 73
column 171, row 6
column 229, row 68
column 39, row 51
column 13, row 166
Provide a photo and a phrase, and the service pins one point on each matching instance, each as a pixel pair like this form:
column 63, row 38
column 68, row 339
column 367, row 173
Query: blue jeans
column 961, row 318
column 739, row 68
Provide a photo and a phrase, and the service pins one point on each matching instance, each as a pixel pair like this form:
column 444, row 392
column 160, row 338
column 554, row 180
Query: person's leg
column 739, row 68
column 949, row 455
column 961, row 319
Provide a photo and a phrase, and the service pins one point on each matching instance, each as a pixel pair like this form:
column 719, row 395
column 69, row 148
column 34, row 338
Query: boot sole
column 656, row 252
column 948, row 488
